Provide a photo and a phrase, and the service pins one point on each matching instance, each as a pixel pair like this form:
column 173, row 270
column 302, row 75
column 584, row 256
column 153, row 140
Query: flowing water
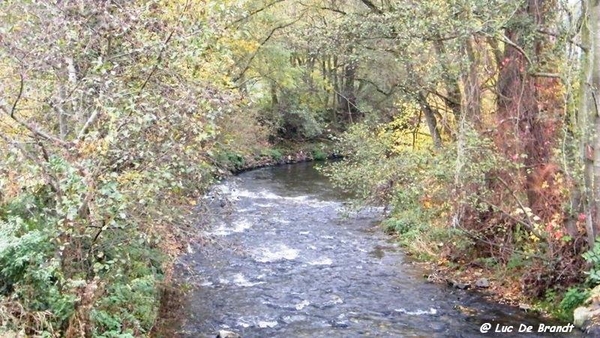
column 285, row 260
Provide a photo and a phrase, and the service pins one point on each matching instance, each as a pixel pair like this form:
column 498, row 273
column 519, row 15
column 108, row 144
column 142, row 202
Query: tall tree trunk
column 431, row 121
column 335, row 83
column 589, row 118
column 274, row 98
column 472, row 97
column 331, row 94
column 452, row 86
column 594, row 87
column 348, row 97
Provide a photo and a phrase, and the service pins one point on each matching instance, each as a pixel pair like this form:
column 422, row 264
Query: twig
column 478, row 238
column 88, row 124
column 34, row 130
column 14, row 106
column 529, row 223
column 157, row 63
column 372, row 7
column 267, row 6
column 506, row 40
column 264, row 41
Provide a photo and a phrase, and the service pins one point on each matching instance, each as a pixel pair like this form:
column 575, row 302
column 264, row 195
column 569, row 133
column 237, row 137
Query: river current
column 281, row 257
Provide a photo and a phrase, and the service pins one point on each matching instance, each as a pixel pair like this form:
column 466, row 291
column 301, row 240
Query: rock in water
column 482, row 283
column 457, row 284
column 227, row 334
column 585, row 317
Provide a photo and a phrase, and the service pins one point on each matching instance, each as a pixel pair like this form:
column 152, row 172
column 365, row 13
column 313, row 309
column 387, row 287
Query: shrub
column 319, row 155
column 573, row 298
column 593, row 258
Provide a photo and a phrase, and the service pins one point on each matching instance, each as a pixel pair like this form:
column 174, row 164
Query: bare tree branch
column 335, row 10
column 267, row 6
column 372, row 6
column 88, row 124
column 157, row 63
column 509, row 42
column 14, row 106
column 33, row 129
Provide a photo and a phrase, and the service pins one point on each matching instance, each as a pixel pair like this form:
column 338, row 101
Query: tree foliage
column 497, row 85
column 109, row 112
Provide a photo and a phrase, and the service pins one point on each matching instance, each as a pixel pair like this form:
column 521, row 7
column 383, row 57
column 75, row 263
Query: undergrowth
column 454, row 206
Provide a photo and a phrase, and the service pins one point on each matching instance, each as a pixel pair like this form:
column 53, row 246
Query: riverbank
column 231, row 163
column 502, row 284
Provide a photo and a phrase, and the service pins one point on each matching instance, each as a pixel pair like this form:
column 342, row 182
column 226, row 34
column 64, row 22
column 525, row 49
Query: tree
column 590, row 117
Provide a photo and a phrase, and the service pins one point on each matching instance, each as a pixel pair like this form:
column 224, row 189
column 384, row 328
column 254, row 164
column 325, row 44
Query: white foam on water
column 275, row 253
column 321, row 261
column 264, row 205
column 254, row 321
column 244, row 210
column 240, row 280
column 431, row 311
column 281, row 220
column 294, row 318
column 268, row 195
column 304, row 232
column 236, row 227
column 222, row 230
column 241, row 225
column 237, row 193
column 336, row 300
column 302, row 305
column 243, row 324
column 265, row 324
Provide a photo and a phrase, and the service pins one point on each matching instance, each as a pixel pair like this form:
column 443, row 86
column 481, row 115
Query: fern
column 593, row 257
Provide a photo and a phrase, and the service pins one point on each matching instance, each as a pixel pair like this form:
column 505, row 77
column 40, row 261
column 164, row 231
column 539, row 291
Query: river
column 280, row 257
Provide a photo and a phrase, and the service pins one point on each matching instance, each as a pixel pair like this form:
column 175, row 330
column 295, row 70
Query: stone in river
column 227, row 334
column 482, row 283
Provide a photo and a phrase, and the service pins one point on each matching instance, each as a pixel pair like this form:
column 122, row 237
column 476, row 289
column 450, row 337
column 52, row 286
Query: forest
column 474, row 122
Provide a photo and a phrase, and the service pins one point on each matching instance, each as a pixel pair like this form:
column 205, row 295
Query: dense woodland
column 475, row 122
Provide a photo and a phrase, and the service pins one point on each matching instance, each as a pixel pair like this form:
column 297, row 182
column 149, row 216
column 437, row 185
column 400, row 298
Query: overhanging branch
column 263, row 42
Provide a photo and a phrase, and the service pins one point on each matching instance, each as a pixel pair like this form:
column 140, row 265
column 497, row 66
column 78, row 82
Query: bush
column 593, row 258
column 573, row 298
column 404, row 222
column 31, row 275
column 274, row 154
column 319, row 155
